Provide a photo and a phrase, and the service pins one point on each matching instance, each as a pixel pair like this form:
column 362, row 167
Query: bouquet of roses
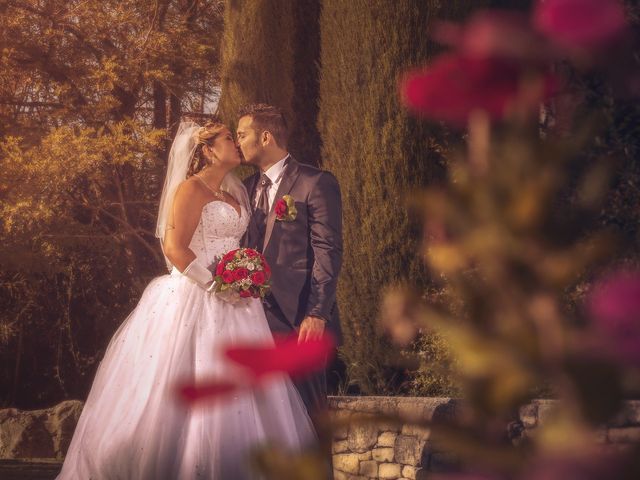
column 241, row 273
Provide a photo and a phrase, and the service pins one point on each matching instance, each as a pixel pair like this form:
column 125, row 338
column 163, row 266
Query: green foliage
column 270, row 54
column 91, row 62
column 379, row 155
column 87, row 91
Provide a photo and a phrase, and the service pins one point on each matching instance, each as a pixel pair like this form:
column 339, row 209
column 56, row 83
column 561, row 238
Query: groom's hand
column 311, row 328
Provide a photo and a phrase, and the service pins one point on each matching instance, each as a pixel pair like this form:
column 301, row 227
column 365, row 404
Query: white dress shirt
column 275, row 173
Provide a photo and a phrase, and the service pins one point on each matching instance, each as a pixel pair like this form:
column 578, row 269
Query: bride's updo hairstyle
column 205, row 135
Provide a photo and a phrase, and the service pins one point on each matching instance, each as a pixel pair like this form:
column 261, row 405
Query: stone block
column 42, row 433
column 624, row 435
column 338, row 475
column 387, row 439
column 389, row 471
column 362, row 436
column 61, row 423
column 346, row 462
column 369, row 469
column 340, row 419
column 340, row 446
column 388, row 426
column 382, row 454
column 411, row 411
column 341, row 432
column 409, row 472
column 408, row 450
column 416, row 431
column 25, row 437
column 364, row 456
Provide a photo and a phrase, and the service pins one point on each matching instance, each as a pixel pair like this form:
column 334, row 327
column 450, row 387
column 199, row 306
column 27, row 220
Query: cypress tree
column 379, row 154
column 270, row 54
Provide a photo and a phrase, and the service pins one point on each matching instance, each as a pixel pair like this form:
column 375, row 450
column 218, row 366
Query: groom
column 302, row 241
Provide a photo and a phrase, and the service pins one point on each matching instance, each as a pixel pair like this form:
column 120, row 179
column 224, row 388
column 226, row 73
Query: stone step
column 29, row 469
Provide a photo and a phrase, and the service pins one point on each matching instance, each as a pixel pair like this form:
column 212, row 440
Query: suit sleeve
column 325, row 223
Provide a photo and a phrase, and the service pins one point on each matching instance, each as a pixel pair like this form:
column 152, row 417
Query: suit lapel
column 286, row 184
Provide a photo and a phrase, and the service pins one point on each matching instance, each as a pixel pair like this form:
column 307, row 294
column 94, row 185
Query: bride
column 132, row 427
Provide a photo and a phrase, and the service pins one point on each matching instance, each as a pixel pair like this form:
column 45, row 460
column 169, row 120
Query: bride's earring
column 212, row 159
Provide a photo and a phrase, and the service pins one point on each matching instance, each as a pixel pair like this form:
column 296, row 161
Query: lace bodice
column 219, row 230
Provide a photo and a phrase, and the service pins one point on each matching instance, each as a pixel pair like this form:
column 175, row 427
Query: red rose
column 245, row 293
column 251, row 253
column 455, row 85
column 229, row 256
column 241, row 273
column 258, row 278
column 228, row 276
column 281, row 208
column 220, row 268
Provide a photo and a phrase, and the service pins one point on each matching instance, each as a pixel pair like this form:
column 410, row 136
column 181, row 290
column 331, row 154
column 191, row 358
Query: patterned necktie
column 262, row 208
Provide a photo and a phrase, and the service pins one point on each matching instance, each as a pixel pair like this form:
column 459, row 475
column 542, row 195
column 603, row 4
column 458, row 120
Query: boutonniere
column 285, row 209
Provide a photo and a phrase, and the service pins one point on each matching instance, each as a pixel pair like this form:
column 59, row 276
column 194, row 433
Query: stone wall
column 38, row 433
column 361, row 450
column 384, row 450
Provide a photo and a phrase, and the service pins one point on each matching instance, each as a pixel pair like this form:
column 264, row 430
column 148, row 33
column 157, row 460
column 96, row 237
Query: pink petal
column 580, row 24
column 206, row 391
column 614, row 305
column 491, row 33
column 286, row 356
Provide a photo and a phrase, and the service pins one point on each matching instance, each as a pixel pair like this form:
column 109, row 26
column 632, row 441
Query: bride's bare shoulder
column 189, row 191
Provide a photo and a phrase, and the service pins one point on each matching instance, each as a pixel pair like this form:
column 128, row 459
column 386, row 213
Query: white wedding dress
column 132, row 426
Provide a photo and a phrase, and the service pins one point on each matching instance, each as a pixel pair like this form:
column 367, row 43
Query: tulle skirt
column 133, row 427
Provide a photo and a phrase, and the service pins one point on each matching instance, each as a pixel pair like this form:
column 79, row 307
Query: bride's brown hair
column 205, row 135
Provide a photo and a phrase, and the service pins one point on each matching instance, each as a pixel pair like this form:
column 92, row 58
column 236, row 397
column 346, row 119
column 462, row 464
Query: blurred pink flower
column 456, row 85
column 205, row 391
column 495, row 33
column 580, row 24
column 286, row 356
column 614, row 306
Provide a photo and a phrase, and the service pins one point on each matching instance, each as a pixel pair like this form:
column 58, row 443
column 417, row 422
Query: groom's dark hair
column 269, row 118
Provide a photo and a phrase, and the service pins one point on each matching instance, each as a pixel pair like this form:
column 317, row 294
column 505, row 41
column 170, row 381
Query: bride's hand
column 311, row 328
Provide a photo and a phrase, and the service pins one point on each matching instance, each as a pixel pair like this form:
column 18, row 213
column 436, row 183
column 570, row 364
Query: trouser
column 313, row 387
